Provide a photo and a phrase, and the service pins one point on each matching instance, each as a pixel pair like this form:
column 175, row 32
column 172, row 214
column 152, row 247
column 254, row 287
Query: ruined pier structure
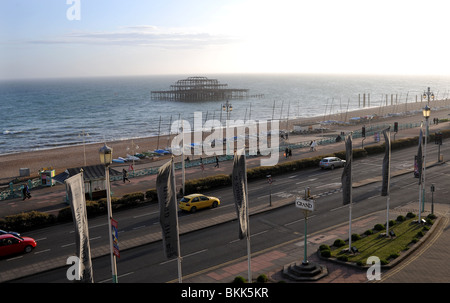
column 200, row 89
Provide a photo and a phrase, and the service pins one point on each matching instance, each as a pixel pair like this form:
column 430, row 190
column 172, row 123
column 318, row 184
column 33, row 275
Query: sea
column 39, row 114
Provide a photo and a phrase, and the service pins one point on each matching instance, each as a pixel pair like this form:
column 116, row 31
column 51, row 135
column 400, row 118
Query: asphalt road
column 219, row 244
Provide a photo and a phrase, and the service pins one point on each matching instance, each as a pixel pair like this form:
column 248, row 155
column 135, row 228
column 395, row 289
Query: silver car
column 331, row 162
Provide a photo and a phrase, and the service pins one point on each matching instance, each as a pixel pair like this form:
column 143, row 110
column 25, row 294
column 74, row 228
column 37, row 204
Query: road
column 219, row 244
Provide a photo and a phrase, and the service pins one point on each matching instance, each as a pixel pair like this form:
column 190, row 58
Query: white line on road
column 42, row 251
column 188, row 255
column 146, row 214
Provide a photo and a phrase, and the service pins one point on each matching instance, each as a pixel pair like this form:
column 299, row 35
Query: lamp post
column 227, row 107
column 426, row 113
column 106, row 159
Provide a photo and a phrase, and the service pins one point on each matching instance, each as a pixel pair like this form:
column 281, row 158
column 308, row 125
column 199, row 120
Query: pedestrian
column 26, row 192
column 286, row 152
column 311, row 146
column 125, row 175
column 314, row 146
column 290, row 152
column 217, row 162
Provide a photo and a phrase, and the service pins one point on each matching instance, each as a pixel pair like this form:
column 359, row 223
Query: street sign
column 306, row 204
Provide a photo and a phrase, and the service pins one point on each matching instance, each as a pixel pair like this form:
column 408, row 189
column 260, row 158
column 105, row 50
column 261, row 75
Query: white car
column 331, row 162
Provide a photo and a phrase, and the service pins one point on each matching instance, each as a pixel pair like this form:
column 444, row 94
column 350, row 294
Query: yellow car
column 197, row 201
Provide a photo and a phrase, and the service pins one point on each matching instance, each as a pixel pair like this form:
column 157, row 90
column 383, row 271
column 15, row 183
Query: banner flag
column 239, row 180
column 386, row 163
column 75, row 192
column 168, row 212
column 346, row 177
column 420, row 157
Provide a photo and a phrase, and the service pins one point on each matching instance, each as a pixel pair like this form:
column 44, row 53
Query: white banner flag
column 167, row 198
column 75, row 191
column 240, row 191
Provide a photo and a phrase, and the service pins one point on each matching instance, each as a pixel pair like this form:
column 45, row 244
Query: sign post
column 306, row 205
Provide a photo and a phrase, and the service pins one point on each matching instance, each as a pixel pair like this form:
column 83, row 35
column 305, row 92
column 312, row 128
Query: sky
column 85, row 38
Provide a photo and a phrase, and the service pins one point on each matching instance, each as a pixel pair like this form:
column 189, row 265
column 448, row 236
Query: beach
column 62, row 158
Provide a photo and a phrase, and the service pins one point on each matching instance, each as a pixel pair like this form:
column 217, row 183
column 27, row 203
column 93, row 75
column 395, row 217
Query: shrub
column 339, row 243
column 431, row 216
column 383, row 262
column 420, row 234
column 151, row 195
column 368, row 232
column 239, row 279
column 29, row 220
column 393, row 255
column 410, row 215
column 262, row 278
column 356, row 237
column 391, row 223
column 378, row 227
column 343, row 258
column 401, row 218
column 324, row 247
column 325, row 253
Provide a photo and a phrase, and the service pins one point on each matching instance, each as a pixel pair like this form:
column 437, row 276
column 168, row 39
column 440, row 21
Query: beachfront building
column 199, row 89
column 94, row 179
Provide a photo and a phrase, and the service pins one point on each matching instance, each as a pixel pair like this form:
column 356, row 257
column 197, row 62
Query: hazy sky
column 196, row 37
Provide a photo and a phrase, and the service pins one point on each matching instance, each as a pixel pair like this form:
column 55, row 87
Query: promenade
column 269, row 261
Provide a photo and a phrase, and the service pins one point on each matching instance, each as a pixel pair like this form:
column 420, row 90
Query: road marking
column 139, row 227
column 41, row 239
column 257, row 234
column 15, row 258
column 146, row 214
column 120, row 276
column 188, row 255
column 67, row 245
column 338, row 207
column 42, row 251
column 296, row 221
column 95, row 238
column 309, row 180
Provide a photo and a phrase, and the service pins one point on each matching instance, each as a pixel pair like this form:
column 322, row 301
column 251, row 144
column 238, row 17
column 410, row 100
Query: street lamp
column 426, row 114
column 105, row 154
column 227, row 107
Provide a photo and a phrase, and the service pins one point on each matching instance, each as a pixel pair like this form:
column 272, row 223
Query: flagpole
column 183, row 173
column 248, row 223
column 351, row 200
column 179, row 258
column 388, row 196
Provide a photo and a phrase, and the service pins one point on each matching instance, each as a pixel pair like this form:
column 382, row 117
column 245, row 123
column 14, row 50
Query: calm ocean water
column 41, row 114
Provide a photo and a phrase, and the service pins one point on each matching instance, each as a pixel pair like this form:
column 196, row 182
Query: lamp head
column 105, row 154
column 426, row 111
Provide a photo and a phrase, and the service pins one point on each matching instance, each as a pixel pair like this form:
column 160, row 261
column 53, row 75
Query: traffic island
column 299, row 271
column 405, row 236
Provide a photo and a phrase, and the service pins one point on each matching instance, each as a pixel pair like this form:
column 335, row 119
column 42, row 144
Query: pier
column 200, row 89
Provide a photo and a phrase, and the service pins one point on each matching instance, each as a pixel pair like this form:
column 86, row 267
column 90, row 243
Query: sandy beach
column 73, row 156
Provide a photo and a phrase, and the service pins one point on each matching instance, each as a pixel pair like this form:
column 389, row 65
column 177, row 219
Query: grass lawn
column 385, row 248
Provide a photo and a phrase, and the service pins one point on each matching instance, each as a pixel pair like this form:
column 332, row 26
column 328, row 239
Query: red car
column 10, row 244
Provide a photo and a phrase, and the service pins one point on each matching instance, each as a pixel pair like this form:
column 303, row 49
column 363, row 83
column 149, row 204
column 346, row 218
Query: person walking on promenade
column 125, row 175
column 217, row 162
column 314, row 146
column 26, row 192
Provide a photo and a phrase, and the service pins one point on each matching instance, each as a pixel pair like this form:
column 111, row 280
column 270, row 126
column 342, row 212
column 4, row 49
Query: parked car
column 2, row 232
column 10, row 244
column 331, row 162
column 197, row 201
